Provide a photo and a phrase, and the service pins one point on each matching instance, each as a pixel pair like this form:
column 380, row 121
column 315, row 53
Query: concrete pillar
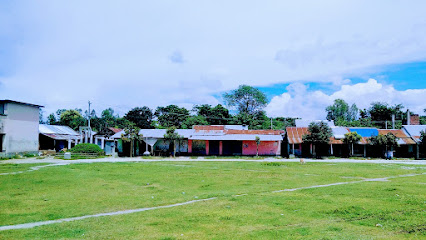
column 189, row 146
column 69, row 143
column 293, row 149
column 103, row 143
column 331, row 149
column 207, row 147
column 220, row 148
column 417, row 151
column 279, row 149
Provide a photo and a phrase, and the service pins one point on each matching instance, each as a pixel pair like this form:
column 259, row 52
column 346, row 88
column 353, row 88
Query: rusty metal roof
column 295, row 134
column 254, row 132
column 404, row 139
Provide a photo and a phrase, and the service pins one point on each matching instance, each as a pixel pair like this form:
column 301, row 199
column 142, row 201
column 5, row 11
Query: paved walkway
column 36, row 224
column 180, row 159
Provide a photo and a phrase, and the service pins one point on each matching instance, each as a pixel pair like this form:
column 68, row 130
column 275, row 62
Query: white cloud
column 298, row 101
column 123, row 54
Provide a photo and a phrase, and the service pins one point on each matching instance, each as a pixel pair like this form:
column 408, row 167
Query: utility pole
column 271, row 124
column 88, row 124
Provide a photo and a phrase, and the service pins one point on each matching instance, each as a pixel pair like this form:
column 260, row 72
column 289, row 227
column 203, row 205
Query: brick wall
column 415, row 119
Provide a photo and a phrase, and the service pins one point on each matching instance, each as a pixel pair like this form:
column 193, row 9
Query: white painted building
column 18, row 127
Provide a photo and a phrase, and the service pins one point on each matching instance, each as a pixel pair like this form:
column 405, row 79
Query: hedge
column 87, row 148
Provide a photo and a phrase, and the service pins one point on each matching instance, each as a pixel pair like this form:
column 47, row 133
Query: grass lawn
column 348, row 211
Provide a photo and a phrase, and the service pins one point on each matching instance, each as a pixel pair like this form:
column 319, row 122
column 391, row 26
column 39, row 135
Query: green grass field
column 349, row 211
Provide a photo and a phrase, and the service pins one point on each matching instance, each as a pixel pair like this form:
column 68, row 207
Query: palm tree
column 350, row 139
column 257, row 139
column 173, row 136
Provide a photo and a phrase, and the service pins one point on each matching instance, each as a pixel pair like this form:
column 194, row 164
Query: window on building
column 1, row 108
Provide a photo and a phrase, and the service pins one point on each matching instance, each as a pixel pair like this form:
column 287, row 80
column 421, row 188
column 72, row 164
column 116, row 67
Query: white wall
column 20, row 126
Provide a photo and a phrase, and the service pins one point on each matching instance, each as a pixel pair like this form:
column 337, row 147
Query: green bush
column 87, row 148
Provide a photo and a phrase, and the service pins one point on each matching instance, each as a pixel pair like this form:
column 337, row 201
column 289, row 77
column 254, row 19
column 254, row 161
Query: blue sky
column 303, row 54
column 402, row 76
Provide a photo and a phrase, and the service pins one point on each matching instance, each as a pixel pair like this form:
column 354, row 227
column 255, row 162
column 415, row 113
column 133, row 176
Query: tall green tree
column 247, row 99
column 40, row 116
column 72, row 118
column 173, row 137
column 351, row 138
column 319, row 134
column 171, row 116
column 257, row 139
column 51, row 119
column 131, row 134
column 217, row 115
column 341, row 111
column 194, row 120
column 422, row 143
column 256, row 120
column 384, row 142
column 141, row 116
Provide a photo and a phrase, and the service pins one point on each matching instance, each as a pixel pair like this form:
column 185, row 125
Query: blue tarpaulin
column 365, row 132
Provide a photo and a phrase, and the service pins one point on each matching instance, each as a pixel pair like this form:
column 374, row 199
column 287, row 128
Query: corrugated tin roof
column 115, row 130
column 339, row 132
column 295, row 134
column 333, row 140
column 57, row 129
column 414, row 130
column 306, row 122
column 236, row 127
column 117, row 135
column 260, row 132
column 208, row 127
column 403, row 138
column 159, row 133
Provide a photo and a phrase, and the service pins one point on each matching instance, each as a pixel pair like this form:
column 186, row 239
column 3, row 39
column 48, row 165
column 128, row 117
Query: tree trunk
column 257, row 150
column 174, row 148
column 131, row 148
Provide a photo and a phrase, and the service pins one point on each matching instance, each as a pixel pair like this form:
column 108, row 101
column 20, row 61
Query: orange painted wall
column 265, row 148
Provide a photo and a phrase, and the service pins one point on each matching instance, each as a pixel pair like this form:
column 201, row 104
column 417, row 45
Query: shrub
column 87, row 148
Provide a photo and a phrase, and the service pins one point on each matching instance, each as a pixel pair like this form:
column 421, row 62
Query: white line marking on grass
column 36, row 224
column 385, row 179
column 35, row 168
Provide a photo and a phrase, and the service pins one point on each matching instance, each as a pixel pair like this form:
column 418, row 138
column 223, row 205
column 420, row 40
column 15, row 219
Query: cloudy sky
column 303, row 54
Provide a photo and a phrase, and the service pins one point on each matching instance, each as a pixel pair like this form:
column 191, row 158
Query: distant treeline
column 248, row 103
column 379, row 115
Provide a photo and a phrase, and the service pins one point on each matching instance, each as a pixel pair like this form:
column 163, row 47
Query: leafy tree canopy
column 319, row 133
column 72, row 118
column 171, row 116
column 172, row 136
column 141, row 116
column 247, row 99
column 388, row 140
column 341, row 111
column 51, row 119
column 423, row 138
column 194, row 120
column 351, row 138
column 217, row 115
column 380, row 111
